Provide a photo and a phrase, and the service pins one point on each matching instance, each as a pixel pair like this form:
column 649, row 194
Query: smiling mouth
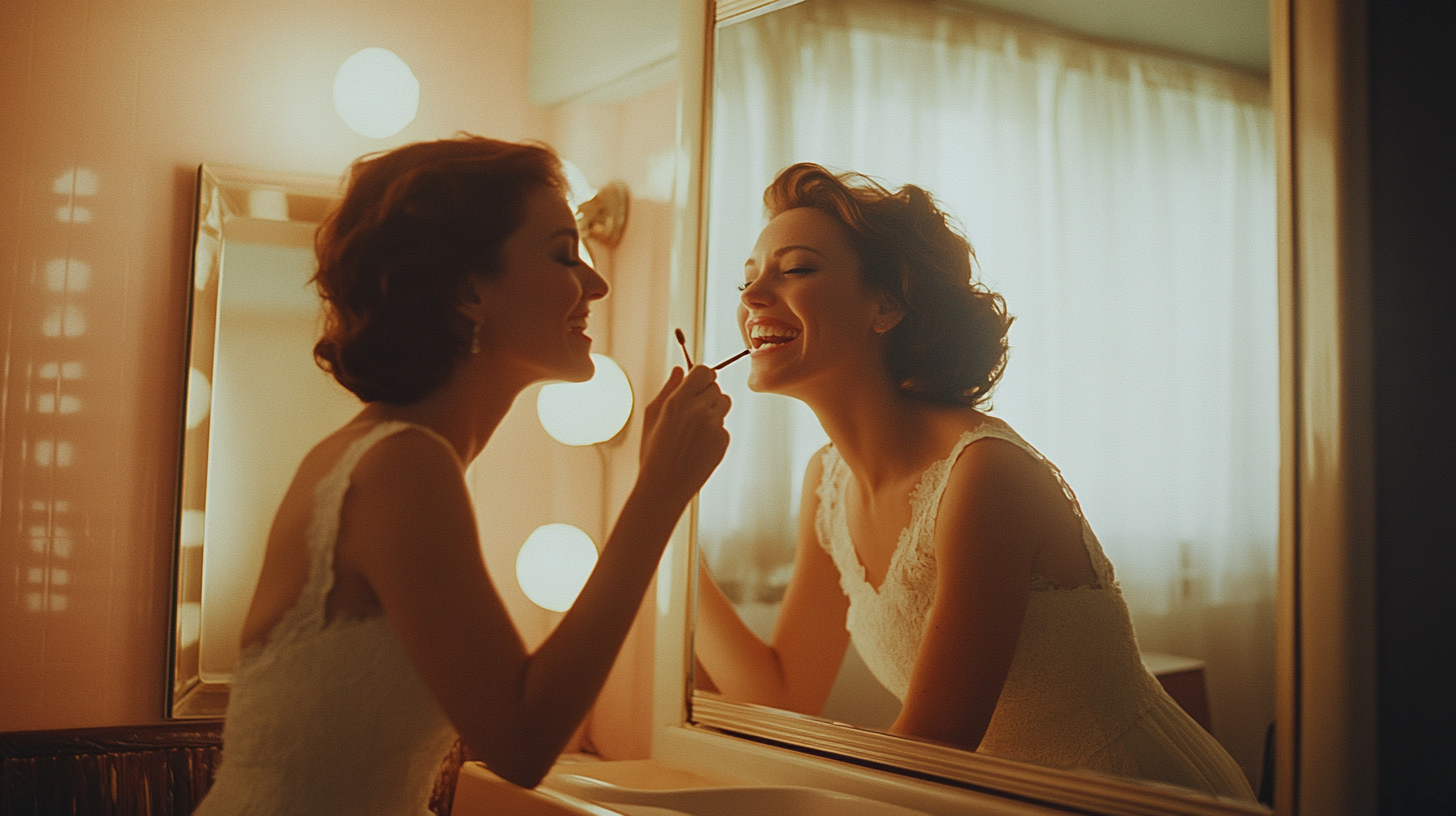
column 761, row 337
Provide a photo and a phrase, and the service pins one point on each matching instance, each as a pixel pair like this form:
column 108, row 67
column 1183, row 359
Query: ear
column 888, row 313
column 472, row 299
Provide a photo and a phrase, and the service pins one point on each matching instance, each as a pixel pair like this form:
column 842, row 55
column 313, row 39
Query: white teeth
column 577, row 323
column 762, row 334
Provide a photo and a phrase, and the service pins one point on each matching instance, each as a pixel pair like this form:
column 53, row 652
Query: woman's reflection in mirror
column 932, row 535
column 451, row 281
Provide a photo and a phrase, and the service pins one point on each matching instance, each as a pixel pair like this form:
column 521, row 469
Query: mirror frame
column 222, row 214
column 1325, row 734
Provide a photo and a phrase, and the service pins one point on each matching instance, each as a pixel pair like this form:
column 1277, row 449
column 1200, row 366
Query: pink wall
column 133, row 95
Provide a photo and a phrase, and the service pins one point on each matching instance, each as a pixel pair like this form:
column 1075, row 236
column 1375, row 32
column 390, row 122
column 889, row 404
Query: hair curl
column 395, row 256
column 950, row 347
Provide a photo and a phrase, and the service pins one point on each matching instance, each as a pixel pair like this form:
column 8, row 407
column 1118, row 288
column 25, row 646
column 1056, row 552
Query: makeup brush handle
column 737, row 356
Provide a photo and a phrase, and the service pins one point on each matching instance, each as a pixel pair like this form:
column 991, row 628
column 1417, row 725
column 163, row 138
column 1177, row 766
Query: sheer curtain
column 1124, row 204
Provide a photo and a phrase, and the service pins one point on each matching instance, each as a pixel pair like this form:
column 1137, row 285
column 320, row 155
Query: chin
column 583, row 372
column 759, row 384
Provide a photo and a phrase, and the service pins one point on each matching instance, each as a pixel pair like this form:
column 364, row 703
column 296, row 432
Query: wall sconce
column 553, row 565
column 589, row 412
column 376, row 93
column 603, row 216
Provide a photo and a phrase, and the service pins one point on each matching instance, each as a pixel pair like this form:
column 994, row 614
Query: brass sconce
column 603, row 217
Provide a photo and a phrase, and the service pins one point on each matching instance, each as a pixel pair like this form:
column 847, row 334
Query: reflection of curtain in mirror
column 1124, row 204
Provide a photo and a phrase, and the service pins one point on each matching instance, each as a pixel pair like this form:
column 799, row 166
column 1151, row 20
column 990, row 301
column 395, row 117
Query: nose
column 593, row 285
column 757, row 292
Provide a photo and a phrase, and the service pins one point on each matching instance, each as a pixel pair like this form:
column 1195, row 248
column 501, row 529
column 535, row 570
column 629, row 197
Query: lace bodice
column 1076, row 695
column 329, row 716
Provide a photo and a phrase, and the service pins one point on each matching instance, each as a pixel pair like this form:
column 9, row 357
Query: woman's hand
column 683, row 438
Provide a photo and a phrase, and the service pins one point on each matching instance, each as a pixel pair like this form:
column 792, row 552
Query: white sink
column 775, row 800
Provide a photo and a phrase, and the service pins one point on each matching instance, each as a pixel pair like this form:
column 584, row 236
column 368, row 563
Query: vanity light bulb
column 589, row 412
column 553, row 565
column 376, row 93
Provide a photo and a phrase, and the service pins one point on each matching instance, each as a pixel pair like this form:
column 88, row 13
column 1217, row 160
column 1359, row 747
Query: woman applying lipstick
column 451, row 282
column 946, row 547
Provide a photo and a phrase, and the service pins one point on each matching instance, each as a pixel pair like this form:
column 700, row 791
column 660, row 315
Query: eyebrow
column 781, row 251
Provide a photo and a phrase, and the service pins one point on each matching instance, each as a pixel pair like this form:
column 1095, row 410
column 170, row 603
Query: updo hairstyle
column 950, row 347
column 397, row 253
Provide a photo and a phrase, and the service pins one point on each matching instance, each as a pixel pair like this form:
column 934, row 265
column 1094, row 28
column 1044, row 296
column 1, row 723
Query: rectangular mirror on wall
column 255, row 404
column 1115, row 172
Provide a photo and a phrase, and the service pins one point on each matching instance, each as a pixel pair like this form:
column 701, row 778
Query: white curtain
column 1124, row 204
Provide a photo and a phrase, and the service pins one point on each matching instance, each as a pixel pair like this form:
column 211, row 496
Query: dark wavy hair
column 950, row 347
column 395, row 256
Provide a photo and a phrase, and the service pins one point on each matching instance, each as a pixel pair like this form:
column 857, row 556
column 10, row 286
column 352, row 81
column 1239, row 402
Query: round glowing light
column 199, row 397
column 376, row 93
column 589, row 412
column 553, row 565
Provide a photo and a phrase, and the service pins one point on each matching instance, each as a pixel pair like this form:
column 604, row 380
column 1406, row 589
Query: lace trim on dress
column 913, row 558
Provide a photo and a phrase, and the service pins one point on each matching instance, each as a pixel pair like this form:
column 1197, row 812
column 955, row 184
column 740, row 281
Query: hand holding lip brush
column 682, row 341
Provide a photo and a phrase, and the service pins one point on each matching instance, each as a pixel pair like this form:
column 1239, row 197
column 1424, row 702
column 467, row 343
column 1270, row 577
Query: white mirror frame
column 1325, row 610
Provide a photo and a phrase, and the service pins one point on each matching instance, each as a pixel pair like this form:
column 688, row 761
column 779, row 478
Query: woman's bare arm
column 999, row 507
column 797, row 670
column 409, row 530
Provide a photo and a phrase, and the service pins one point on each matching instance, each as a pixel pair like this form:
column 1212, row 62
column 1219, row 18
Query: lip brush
column 737, row 356
column 682, row 341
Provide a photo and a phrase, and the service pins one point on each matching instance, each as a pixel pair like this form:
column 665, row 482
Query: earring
column 475, row 339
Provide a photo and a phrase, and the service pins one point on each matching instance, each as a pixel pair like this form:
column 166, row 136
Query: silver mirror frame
column 223, row 214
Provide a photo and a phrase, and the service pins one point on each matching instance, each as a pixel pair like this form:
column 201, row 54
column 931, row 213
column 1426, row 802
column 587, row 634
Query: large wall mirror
column 254, row 321
column 1119, row 186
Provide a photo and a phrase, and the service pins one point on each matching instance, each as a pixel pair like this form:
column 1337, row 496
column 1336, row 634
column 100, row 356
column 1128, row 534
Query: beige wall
column 632, row 141
column 135, row 94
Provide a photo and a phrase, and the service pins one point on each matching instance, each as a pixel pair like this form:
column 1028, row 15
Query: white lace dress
column 329, row 717
column 1076, row 696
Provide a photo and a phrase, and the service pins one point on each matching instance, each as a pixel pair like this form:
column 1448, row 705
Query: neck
column 883, row 435
column 466, row 410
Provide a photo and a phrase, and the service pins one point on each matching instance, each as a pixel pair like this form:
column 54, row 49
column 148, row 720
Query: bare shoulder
column 404, row 476
column 814, row 471
column 992, row 463
column 405, row 457
column 999, row 492
column 406, row 488
column 808, row 533
column 813, row 477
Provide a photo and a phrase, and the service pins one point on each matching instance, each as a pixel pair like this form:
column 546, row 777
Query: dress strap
column 831, row 515
column 831, row 505
column 308, row 614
